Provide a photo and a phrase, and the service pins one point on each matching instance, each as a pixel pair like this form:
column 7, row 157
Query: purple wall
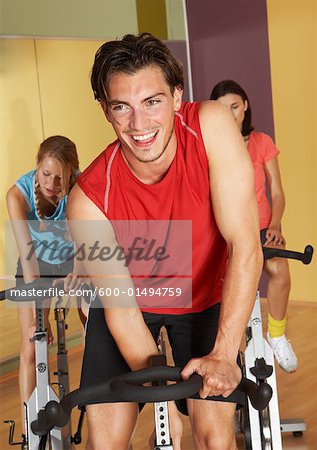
column 229, row 39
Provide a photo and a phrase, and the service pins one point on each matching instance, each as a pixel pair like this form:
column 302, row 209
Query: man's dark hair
column 232, row 87
column 129, row 55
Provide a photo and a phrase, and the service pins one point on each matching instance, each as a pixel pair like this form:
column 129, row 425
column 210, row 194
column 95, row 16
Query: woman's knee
column 278, row 271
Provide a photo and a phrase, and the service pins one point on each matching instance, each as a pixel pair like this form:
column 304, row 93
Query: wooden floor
column 297, row 392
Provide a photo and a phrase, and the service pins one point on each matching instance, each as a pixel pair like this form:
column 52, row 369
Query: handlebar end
column 264, row 395
column 56, row 414
column 259, row 395
column 308, row 254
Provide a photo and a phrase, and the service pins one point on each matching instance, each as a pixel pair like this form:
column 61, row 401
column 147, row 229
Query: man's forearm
column 132, row 336
column 239, row 291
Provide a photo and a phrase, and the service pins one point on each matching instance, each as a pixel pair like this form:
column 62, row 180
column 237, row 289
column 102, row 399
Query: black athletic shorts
column 190, row 335
column 262, row 235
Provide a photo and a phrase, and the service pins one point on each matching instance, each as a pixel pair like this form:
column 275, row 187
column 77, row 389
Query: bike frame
column 43, row 391
column 265, row 427
column 258, row 349
column 58, row 439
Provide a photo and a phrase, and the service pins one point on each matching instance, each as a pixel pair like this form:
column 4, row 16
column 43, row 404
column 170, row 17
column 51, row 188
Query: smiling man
column 172, row 161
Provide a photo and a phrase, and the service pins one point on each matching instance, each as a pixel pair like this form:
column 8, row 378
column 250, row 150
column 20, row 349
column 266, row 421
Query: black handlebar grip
column 306, row 257
column 126, row 390
column 129, row 387
column 259, row 395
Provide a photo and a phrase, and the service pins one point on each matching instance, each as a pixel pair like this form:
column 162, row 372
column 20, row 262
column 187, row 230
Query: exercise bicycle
column 262, row 429
column 59, row 439
column 258, row 420
column 54, row 416
column 129, row 388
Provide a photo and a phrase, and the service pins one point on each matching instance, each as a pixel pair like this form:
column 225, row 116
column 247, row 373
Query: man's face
column 141, row 109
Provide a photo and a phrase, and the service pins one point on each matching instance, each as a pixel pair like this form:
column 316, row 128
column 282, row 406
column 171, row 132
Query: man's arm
column 236, row 213
column 125, row 322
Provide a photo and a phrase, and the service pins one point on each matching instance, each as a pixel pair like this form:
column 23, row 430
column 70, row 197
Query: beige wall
column 98, row 19
column 175, row 19
column 293, row 51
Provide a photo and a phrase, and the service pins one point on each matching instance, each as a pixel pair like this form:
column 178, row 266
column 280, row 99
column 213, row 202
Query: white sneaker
column 283, row 352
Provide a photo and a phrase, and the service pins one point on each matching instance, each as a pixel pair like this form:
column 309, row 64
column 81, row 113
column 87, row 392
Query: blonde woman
column 36, row 205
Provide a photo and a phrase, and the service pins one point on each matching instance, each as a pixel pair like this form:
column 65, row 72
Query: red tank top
column 183, row 194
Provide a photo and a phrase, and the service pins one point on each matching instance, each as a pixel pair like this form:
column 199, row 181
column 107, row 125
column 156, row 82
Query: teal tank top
column 51, row 245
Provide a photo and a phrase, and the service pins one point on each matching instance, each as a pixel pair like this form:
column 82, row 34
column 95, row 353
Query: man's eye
column 119, row 108
column 153, row 102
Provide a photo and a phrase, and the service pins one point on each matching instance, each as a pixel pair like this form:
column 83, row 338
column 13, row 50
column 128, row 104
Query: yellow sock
column 276, row 328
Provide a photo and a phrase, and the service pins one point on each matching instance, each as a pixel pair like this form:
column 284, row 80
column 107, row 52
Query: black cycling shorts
column 190, row 335
column 263, row 235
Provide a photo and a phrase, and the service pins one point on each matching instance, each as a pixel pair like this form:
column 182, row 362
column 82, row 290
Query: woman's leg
column 278, row 290
column 279, row 285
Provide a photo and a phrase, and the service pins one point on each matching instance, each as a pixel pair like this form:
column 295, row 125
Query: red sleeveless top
column 182, row 195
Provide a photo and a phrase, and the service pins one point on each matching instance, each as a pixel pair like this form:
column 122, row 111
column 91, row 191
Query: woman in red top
column 264, row 154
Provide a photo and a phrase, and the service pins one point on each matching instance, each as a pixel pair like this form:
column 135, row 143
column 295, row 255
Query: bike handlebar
column 305, row 257
column 122, row 387
column 41, row 286
column 129, row 388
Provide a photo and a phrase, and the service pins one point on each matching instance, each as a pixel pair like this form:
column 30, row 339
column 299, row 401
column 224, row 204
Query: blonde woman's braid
column 37, row 205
